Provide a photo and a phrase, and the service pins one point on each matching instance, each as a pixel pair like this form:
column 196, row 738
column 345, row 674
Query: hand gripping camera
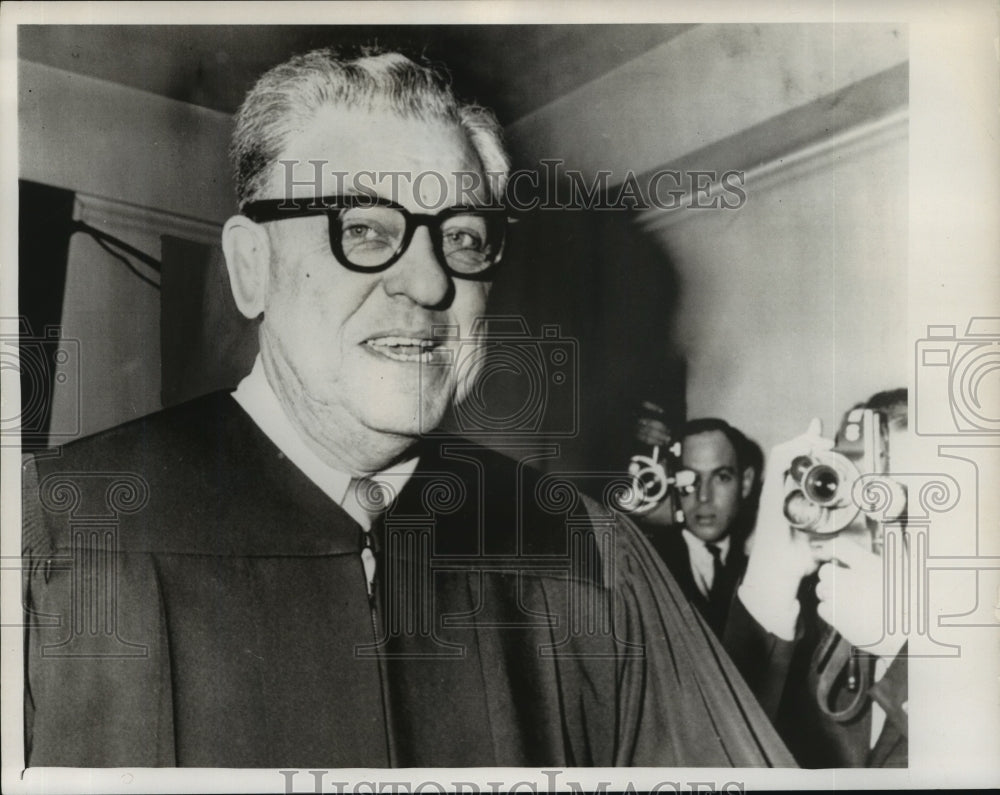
column 657, row 477
column 824, row 491
column 844, row 490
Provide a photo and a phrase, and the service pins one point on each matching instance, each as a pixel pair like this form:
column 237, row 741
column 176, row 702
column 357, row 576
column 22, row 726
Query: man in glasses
column 304, row 573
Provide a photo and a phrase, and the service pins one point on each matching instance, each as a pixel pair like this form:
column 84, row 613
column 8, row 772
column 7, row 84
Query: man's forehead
column 343, row 150
column 708, row 450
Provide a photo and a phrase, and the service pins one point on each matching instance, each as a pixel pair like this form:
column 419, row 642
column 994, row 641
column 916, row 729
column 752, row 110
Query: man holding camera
column 301, row 574
column 806, row 629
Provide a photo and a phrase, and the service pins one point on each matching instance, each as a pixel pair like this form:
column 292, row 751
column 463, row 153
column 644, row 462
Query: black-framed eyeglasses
column 368, row 233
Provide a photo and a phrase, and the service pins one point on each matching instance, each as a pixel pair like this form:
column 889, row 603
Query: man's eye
column 359, row 232
column 461, row 239
column 724, row 477
column 364, row 235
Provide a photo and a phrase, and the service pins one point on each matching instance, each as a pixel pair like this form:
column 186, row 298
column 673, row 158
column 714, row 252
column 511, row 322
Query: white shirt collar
column 702, row 566
column 257, row 398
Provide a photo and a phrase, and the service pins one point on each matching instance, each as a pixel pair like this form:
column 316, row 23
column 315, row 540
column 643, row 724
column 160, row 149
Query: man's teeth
column 404, row 349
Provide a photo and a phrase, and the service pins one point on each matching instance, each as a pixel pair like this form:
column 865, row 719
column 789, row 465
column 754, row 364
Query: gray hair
column 291, row 93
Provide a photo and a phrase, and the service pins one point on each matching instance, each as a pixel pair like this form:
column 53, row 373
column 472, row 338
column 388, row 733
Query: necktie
column 365, row 501
column 717, row 591
column 716, row 554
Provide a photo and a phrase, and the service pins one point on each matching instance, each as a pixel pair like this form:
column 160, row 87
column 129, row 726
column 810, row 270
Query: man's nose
column 418, row 274
column 704, row 491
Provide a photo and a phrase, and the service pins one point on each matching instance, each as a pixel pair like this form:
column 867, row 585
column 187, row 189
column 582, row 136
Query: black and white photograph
column 501, row 396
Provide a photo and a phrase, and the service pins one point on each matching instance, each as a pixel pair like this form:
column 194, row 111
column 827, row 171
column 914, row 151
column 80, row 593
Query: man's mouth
column 405, row 349
column 705, row 519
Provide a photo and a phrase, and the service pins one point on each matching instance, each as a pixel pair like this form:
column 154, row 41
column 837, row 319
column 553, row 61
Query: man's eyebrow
column 727, row 468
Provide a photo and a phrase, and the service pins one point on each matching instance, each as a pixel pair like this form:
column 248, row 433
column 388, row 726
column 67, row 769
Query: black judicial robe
column 192, row 599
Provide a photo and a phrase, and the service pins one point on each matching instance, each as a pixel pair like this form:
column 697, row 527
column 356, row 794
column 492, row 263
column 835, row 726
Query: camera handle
column 836, row 660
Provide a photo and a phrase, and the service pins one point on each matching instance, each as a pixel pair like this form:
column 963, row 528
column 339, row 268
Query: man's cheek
column 469, row 304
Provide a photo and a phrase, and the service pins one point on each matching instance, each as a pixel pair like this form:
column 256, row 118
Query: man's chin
column 410, row 419
column 707, row 533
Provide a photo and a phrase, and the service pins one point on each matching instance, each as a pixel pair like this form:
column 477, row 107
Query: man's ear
column 247, row 249
column 749, row 475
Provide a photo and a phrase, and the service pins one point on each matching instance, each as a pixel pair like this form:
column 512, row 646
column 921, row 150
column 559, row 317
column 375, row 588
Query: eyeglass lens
column 371, row 236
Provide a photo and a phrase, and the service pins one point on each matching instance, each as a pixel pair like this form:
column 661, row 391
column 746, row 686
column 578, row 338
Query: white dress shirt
column 257, row 398
column 702, row 563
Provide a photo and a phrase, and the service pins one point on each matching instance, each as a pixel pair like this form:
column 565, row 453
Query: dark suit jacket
column 781, row 673
column 670, row 545
column 194, row 599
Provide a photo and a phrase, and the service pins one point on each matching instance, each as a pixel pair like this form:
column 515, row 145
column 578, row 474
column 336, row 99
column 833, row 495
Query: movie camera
column 656, row 477
column 825, row 491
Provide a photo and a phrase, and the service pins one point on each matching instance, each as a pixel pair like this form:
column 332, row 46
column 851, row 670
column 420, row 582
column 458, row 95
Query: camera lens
column 800, row 465
column 802, row 512
column 821, row 484
column 651, row 483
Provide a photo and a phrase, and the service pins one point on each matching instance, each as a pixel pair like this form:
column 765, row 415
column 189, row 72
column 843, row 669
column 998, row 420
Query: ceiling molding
column 818, row 155
column 96, row 210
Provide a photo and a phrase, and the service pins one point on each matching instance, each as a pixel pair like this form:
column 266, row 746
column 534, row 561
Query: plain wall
column 142, row 165
column 119, row 143
column 710, row 83
column 795, row 305
column 113, row 317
